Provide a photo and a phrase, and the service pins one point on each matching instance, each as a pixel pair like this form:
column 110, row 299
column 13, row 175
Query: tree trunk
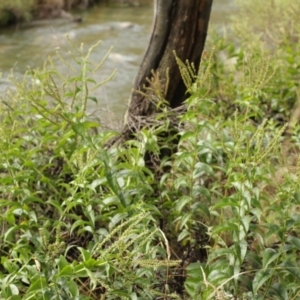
column 181, row 26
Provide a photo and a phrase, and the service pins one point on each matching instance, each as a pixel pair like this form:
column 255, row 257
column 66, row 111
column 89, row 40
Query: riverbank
column 16, row 12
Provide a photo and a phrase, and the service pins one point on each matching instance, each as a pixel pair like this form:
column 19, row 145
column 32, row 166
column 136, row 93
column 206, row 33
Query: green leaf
column 111, row 200
column 181, row 182
column 225, row 202
column 55, row 204
column 38, row 283
column 80, row 271
column 10, row 218
column 77, row 224
column 201, row 169
column 73, row 288
column 91, row 80
column 15, row 297
column 86, row 255
column 245, row 220
column 201, row 207
column 292, row 268
column 14, row 289
column 89, row 124
column 192, row 287
column 187, row 136
column 269, row 255
column 280, row 291
column 185, row 219
column 217, row 277
column 94, row 99
column 195, row 272
column 95, row 183
column 228, row 226
column 183, row 234
column 66, row 271
column 199, row 190
column 260, row 278
column 182, row 202
column 62, row 262
column 294, row 241
column 79, row 129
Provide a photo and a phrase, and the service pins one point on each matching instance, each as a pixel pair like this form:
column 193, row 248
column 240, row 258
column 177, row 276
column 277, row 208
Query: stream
column 127, row 29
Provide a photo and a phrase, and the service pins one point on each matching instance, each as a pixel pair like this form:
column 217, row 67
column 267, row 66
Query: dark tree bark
column 181, row 26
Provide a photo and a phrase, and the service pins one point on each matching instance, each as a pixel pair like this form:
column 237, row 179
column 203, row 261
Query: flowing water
column 127, row 29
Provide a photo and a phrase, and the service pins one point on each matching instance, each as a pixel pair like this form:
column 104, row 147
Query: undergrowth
column 81, row 220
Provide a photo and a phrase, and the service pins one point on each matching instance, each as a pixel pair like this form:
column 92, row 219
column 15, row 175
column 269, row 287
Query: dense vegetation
column 219, row 218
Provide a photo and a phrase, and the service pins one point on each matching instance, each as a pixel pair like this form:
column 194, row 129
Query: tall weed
column 75, row 220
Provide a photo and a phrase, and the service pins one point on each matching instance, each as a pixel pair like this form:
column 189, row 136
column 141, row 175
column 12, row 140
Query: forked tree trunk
column 181, row 26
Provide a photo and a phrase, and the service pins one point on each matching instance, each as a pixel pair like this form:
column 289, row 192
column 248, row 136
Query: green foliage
column 76, row 220
column 84, row 220
column 260, row 50
column 243, row 123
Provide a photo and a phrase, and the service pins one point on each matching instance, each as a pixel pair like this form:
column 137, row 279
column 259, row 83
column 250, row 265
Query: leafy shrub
column 76, row 221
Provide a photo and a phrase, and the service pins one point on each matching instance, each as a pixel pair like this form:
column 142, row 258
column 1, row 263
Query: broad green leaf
column 97, row 182
column 73, row 288
column 195, row 270
column 225, row 202
column 280, row 291
column 77, row 224
column 181, row 182
column 269, row 255
column 201, row 207
column 79, row 129
column 201, row 169
column 192, row 286
column 183, row 234
column 227, row 226
column 89, row 124
column 62, row 262
column 200, row 190
column 133, row 296
column 111, row 200
column 91, row 80
column 295, row 241
column 38, row 283
column 217, row 277
column 291, row 267
column 187, row 136
column 218, row 253
column 86, row 228
column 66, row 271
column 10, row 218
column 14, row 289
column 86, row 255
column 80, row 271
column 260, row 278
column 94, row 99
column 10, row 230
column 15, row 297
column 254, row 260
column 241, row 250
column 185, row 219
column 182, row 202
